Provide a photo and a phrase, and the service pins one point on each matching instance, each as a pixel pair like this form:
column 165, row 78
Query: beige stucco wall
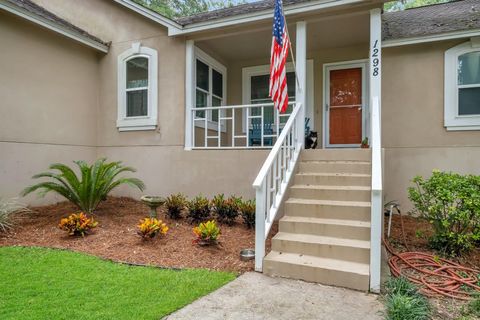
column 414, row 137
column 158, row 155
column 49, row 100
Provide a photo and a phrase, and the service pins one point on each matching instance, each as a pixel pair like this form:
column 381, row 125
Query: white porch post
column 375, row 139
column 189, row 92
column 301, row 71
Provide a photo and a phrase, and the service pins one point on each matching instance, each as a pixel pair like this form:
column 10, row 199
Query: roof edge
column 431, row 38
column 58, row 28
column 149, row 13
column 257, row 16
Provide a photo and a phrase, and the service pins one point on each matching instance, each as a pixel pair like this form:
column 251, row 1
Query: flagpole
column 291, row 50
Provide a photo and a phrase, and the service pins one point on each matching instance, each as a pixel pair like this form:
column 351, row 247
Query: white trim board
column 363, row 64
column 150, row 14
column 5, row 5
column 431, row 38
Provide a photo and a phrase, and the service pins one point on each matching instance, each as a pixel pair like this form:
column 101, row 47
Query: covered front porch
column 227, row 81
column 334, row 92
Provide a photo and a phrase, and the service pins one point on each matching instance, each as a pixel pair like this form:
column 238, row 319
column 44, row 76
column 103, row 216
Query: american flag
column 280, row 46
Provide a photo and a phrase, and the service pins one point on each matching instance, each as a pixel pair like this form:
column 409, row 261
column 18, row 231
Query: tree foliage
column 182, row 8
column 407, row 4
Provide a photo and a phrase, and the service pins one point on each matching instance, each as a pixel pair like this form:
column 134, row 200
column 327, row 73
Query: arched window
column 137, row 89
column 462, row 87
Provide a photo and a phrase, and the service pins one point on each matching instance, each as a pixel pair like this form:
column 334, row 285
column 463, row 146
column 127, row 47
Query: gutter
column 431, row 38
column 30, row 16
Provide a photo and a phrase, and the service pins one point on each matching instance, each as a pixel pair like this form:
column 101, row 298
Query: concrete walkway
column 255, row 296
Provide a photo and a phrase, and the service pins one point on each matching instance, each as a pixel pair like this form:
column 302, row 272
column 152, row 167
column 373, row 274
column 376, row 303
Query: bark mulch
column 416, row 234
column 116, row 237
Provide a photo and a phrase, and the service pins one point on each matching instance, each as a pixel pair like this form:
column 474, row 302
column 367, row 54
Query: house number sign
column 375, row 59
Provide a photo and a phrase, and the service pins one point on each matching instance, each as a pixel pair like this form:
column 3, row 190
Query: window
column 210, row 84
column 462, row 87
column 137, row 89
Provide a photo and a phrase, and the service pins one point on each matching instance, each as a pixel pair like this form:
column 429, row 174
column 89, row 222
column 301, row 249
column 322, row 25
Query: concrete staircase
column 325, row 234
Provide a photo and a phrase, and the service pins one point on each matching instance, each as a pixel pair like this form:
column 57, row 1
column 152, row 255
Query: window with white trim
column 210, row 88
column 137, row 89
column 462, row 87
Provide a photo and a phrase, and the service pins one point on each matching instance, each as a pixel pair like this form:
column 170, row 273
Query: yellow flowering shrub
column 77, row 224
column 207, row 233
column 150, row 227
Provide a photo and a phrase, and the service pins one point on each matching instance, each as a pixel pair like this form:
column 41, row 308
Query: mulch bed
column 416, row 234
column 116, row 237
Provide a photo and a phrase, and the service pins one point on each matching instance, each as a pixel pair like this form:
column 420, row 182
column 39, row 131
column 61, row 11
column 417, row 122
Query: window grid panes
column 209, row 90
column 469, row 84
column 137, row 87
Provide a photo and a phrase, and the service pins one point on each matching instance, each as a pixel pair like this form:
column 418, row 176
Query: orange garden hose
column 435, row 276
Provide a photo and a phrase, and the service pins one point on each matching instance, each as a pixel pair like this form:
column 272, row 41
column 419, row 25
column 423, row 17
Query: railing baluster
column 247, row 128
column 233, row 128
column 262, row 123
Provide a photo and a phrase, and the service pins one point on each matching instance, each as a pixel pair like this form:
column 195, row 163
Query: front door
column 345, row 105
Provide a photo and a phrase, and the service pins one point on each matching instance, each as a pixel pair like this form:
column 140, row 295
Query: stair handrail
column 377, row 199
column 273, row 178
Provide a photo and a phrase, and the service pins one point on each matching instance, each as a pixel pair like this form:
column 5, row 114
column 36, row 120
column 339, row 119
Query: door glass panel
column 202, row 75
column 469, row 68
column 469, row 101
column 137, row 73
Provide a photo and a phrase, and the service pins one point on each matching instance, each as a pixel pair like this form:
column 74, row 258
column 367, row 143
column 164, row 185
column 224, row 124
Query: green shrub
column 175, row 204
column 9, row 208
column 199, row 209
column 226, row 210
column 404, row 307
column 473, row 307
column 90, row 188
column 451, row 204
column 247, row 209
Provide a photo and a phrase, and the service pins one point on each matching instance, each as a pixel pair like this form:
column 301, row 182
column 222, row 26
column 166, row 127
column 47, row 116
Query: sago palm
column 89, row 188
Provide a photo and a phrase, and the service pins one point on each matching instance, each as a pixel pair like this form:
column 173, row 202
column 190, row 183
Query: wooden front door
column 345, row 106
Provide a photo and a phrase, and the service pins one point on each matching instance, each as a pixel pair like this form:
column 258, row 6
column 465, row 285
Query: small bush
column 77, row 224
column 89, row 188
column 199, row 209
column 175, row 204
column 207, row 233
column 150, row 227
column 226, row 210
column 401, row 286
column 404, row 302
column 247, row 209
column 404, row 307
column 472, row 308
column 9, row 208
column 451, row 204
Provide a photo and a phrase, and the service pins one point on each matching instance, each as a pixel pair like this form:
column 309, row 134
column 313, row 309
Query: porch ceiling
column 332, row 32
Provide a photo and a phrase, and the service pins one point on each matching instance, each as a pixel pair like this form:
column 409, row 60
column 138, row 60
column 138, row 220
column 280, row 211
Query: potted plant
column 365, row 144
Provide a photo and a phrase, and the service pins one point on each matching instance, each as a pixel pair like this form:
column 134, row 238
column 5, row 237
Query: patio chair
column 255, row 134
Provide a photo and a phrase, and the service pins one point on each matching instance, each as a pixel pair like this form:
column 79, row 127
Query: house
column 186, row 103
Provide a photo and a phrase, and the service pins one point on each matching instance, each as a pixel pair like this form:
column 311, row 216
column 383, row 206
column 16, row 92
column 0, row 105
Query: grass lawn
column 39, row 283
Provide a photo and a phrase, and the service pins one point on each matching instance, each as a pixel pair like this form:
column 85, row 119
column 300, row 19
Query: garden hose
column 435, row 276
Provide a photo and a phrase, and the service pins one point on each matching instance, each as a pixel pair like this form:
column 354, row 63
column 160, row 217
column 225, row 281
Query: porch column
column 301, row 73
column 375, row 142
column 189, row 92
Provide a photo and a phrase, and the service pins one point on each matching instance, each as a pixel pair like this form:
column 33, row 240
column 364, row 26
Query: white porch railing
column 273, row 178
column 377, row 186
column 254, row 126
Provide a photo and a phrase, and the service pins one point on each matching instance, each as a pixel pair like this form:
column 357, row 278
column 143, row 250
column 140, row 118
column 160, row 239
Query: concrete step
column 336, row 154
column 340, row 228
column 314, row 269
column 321, row 246
column 333, row 179
column 328, row 209
column 327, row 166
column 342, row 193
